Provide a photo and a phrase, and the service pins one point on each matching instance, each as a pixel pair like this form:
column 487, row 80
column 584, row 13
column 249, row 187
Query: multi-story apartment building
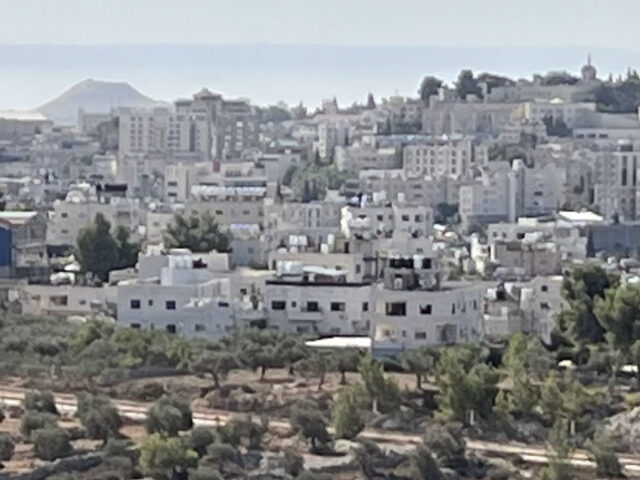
column 207, row 125
column 413, row 306
column 79, row 209
column 243, row 205
column 616, row 182
column 358, row 157
column 504, row 194
column 381, row 219
column 421, row 189
column 317, row 300
column 331, row 134
column 443, row 156
column 185, row 299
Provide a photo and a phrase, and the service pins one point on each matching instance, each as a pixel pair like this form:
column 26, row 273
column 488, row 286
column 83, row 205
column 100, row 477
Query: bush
column 423, row 465
column 98, row 416
column 347, row 417
column 32, row 421
column 51, row 443
column 293, row 462
column 169, row 415
column 7, row 447
column 199, row 440
column 40, row 402
column 307, row 420
column 163, row 458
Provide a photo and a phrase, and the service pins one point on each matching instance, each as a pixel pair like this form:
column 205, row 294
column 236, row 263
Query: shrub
column 40, row 402
column 32, row 421
column 99, row 416
column 7, row 446
column 169, row 415
column 51, row 443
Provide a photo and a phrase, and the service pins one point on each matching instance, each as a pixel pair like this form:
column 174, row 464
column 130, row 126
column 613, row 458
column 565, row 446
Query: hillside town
column 481, row 236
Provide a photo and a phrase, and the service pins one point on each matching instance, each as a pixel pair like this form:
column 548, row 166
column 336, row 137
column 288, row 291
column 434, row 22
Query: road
column 535, row 454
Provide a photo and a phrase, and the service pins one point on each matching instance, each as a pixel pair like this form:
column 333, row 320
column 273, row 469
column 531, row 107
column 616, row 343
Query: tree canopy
column 198, row 233
column 467, row 84
column 429, row 86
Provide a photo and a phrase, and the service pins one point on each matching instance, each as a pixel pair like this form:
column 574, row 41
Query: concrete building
column 317, row 300
column 442, row 156
column 185, row 299
column 80, row 208
column 615, row 179
column 415, row 307
column 381, row 219
column 228, row 205
column 23, row 251
column 331, row 134
column 358, row 157
column 19, row 127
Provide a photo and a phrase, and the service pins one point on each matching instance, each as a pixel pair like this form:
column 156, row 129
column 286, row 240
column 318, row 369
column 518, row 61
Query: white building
column 185, row 299
column 317, row 300
column 442, row 156
column 414, row 306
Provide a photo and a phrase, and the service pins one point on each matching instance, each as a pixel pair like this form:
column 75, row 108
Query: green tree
column 244, row 431
column 347, row 412
column 383, row 393
column 166, row 458
column 429, row 86
column 99, row 416
column 199, row 439
column 347, row 360
column 51, row 443
column 619, row 313
column 622, row 96
column 465, row 385
column 467, row 85
column 7, row 447
column 559, row 78
column 559, row 467
column 97, row 250
column 307, row 420
column 581, row 287
column 602, row 449
column 217, row 363
column 37, row 401
column 169, row 415
column 423, row 465
column 419, row 362
column 33, row 421
column 317, row 364
column 198, row 233
column 492, row 81
column 127, row 250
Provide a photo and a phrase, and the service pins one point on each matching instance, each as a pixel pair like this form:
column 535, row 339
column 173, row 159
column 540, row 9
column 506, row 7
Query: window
column 278, row 305
column 312, row 306
column 171, row 328
column 396, row 309
column 223, row 304
column 135, row 304
column 337, row 306
column 425, row 309
column 135, row 326
column 418, row 218
column 544, row 288
column 150, row 303
column 453, row 308
column 365, row 306
column 405, row 218
column 243, row 291
column 358, row 268
column 420, row 335
column 64, row 215
column 170, row 305
column 545, row 306
column 200, row 328
column 294, row 304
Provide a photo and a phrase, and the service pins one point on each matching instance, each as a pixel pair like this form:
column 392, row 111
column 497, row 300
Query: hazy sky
column 601, row 23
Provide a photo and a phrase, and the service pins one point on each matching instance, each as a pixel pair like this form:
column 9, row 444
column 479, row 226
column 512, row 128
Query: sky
column 600, row 23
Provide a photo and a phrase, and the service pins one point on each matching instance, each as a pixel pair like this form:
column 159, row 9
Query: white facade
column 441, row 157
column 185, row 300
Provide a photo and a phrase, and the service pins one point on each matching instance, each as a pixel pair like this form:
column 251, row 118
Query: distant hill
column 93, row 96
